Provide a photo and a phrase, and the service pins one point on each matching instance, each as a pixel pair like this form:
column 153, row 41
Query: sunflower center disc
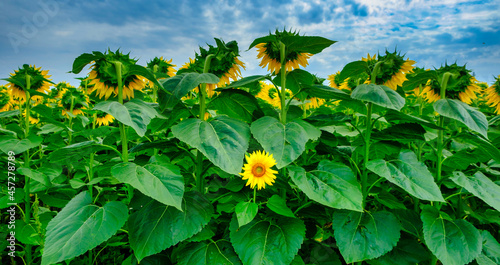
column 258, row 170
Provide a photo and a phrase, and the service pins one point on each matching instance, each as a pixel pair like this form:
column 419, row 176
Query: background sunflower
column 393, row 70
column 73, row 98
column 6, row 103
column 38, row 81
column 493, row 95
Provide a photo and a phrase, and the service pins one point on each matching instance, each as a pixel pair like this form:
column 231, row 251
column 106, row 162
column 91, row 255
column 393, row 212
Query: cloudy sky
column 52, row 33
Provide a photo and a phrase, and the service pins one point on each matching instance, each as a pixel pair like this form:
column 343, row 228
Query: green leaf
column 246, row 212
column 264, row 242
column 295, row 79
column 223, row 140
column 9, row 143
column 453, row 242
column 410, row 221
column 457, row 110
column 363, row 236
column 140, row 70
column 306, row 44
column 178, row 86
column 81, row 226
column 481, row 186
column 156, row 226
column 10, row 113
column 75, row 152
column 265, row 39
column 162, row 182
column 237, row 104
column 491, row 247
column 484, row 145
column 406, row 252
column 284, row 142
column 81, row 61
column 278, row 205
column 415, row 81
column 379, row 95
column 326, row 92
column 403, row 133
column 213, row 252
column 409, row 174
column 332, row 184
column 36, row 175
column 353, row 69
column 245, row 81
column 392, row 116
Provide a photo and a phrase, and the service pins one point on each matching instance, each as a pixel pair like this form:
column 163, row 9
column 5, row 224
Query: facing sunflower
column 393, row 70
column 38, row 81
column 258, row 170
column 493, row 95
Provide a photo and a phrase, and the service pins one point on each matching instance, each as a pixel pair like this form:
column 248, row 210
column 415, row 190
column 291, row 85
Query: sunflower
column 85, row 85
column 493, row 95
column 38, row 81
column 58, row 90
column 313, row 103
column 162, row 68
column 104, row 118
column 6, row 103
column 334, row 80
column 73, row 98
column 392, row 72
column 34, row 119
column 103, row 75
column 224, row 65
column 270, row 94
column 462, row 85
column 258, row 170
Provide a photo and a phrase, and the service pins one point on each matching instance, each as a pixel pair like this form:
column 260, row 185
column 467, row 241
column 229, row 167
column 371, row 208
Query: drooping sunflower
column 33, row 118
column 258, row 170
column 270, row 94
column 6, row 103
column 224, row 65
column 162, row 68
column 462, row 85
column 74, row 97
column 313, row 103
column 103, row 75
column 58, row 90
column 334, row 80
column 392, row 72
column 85, row 85
column 103, row 118
column 38, row 81
column 493, row 95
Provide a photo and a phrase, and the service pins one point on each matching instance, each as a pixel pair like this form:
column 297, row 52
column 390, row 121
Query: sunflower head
column 225, row 63
column 270, row 94
column 257, row 171
column 103, row 118
column 393, row 70
column 38, row 81
column 58, row 90
column 493, row 95
column 162, row 68
column 334, row 80
column 6, row 103
column 462, row 85
column 73, row 96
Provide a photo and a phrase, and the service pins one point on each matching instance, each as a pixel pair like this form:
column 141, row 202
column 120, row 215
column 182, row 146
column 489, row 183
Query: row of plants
column 387, row 164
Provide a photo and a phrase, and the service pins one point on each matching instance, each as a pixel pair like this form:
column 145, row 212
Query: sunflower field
column 380, row 163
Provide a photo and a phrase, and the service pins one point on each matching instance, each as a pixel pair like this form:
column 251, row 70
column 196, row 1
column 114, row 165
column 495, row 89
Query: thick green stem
column 364, row 177
column 27, row 198
column 255, row 195
column 123, row 131
column 440, row 139
column 283, row 83
column 70, row 133
column 200, row 182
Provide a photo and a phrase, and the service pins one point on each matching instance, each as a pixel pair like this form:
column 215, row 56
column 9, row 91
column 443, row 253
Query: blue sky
column 52, row 33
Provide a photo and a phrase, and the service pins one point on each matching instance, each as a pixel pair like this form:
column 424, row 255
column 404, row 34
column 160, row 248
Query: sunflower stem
column 255, row 195
column 70, row 133
column 283, row 82
column 444, row 84
column 27, row 198
column 364, row 177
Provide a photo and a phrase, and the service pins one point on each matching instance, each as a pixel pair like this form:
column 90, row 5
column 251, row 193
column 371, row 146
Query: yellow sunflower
column 313, row 103
column 73, row 98
column 334, row 80
column 462, row 86
column 104, row 77
column 224, row 65
column 392, row 72
column 258, row 170
column 38, row 81
column 270, row 94
column 162, row 68
column 6, row 103
column 58, row 90
column 493, row 95
column 270, row 55
column 33, row 119
column 104, row 119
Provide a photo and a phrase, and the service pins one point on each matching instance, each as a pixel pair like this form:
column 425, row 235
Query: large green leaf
column 306, row 44
column 245, row 81
column 491, row 249
column 246, row 212
column 415, row 81
column 209, row 253
column 162, row 182
column 81, row 226
column 481, row 186
column 264, row 242
column 353, row 69
column 379, row 95
column 453, row 242
column 484, row 145
column 135, row 113
column 326, row 92
column 406, row 252
column 223, row 140
column 403, row 133
column 75, row 152
column 363, row 236
column 157, row 226
column 81, row 61
column 278, row 205
column 331, row 184
column 392, row 115
column 284, row 142
column 295, row 79
column 237, row 104
column 457, row 110
column 409, row 174
column 179, row 85
column 10, row 143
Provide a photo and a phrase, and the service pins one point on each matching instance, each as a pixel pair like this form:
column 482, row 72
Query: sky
column 52, row 33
